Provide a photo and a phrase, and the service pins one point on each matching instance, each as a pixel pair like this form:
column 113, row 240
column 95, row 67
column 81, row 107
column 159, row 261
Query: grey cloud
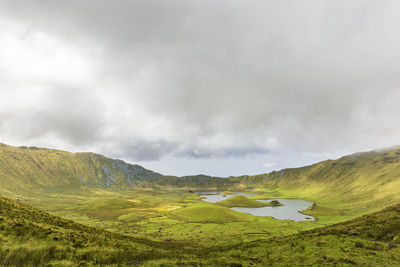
column 217, row 79
column 67, row 113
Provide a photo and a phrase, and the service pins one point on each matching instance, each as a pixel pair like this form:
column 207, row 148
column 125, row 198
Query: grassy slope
column 29, row 236
column 210, row 213
column 316, row 209
column 60, row 182
column 241, row 201
column 151, row 215
column 367, row 181
column 30, row 172
column 364, row 181
column 355, row 184
column 363, row 242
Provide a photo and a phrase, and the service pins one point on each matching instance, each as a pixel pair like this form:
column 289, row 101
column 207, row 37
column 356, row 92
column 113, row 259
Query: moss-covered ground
column 83, row 221
column 32, row 237
column 242, row 201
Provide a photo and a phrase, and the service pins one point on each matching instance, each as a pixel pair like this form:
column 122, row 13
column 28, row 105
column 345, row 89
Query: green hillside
column 32, row 237
column 209, row 213
column 369, row 181
column 117, row 213
column 241, row 201
column 32, row 171
column 316, row 209
column 370, row 240
column 88, row 186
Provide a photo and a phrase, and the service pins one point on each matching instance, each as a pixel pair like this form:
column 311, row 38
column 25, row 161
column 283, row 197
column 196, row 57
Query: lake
column 289, row 210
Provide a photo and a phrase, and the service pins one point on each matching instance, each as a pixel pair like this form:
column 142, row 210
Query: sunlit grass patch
column 208, row 213
column 241, row 201
column 316, row 209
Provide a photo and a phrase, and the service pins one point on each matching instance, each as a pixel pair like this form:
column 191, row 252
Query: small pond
column 289, row 210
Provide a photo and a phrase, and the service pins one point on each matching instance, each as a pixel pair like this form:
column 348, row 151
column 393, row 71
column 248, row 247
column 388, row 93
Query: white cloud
column 31, row 56
column 231, row 84
column 269, row 165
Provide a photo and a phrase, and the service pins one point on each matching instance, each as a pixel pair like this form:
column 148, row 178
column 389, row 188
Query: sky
column 214, row 87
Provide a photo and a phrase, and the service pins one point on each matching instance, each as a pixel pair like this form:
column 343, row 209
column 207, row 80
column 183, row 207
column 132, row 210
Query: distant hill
column 34, row 171
column 369, row 179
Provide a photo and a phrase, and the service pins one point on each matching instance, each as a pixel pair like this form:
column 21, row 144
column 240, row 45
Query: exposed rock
column 387, row 160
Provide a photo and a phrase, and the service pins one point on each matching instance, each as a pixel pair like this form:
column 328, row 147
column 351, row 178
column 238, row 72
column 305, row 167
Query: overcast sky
column 215, row 87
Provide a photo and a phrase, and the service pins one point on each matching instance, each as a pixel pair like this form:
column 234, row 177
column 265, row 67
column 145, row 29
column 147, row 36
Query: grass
column 316, row 209
column 161, row 222
column 31, row 172
column 259, row 197
column 362, row 182
column 241, row 201
column 111, row 204
column 228, row 193
column 362, row 241
column 32, row 237
column 210, row 213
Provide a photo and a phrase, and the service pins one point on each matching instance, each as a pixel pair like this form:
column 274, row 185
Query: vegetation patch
column 259, row 197
column 241, row 201
column 137, row 216
column 227, row 193
column 209, row 213
column 275, row 203
column 162, row 222
column 111, row 204
column 316, row 209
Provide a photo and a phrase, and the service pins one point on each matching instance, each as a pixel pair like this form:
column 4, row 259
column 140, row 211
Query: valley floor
column 161, row 237
column 174, row 215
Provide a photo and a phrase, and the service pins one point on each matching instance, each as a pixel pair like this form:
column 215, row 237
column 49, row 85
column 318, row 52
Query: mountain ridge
column 51, row 170
column 369, row 179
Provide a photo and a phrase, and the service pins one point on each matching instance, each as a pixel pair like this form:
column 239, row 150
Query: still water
column 289, row 210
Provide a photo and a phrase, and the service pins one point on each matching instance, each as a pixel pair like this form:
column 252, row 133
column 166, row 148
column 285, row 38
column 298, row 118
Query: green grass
column 316, row 209
column 137, row 216
column 111, row 204
column 241, row 201
column 31, row 172
column 209, row 213
column 362, row 241
column 259, row 197
column 115, row 225
column 228, row 193
column 32, row 237
column 362, row 182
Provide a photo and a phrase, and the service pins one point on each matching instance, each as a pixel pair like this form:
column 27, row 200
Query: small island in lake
column 242, row 201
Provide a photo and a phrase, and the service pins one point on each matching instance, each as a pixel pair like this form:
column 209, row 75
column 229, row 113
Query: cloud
column 151, row 80
column 269, row 165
